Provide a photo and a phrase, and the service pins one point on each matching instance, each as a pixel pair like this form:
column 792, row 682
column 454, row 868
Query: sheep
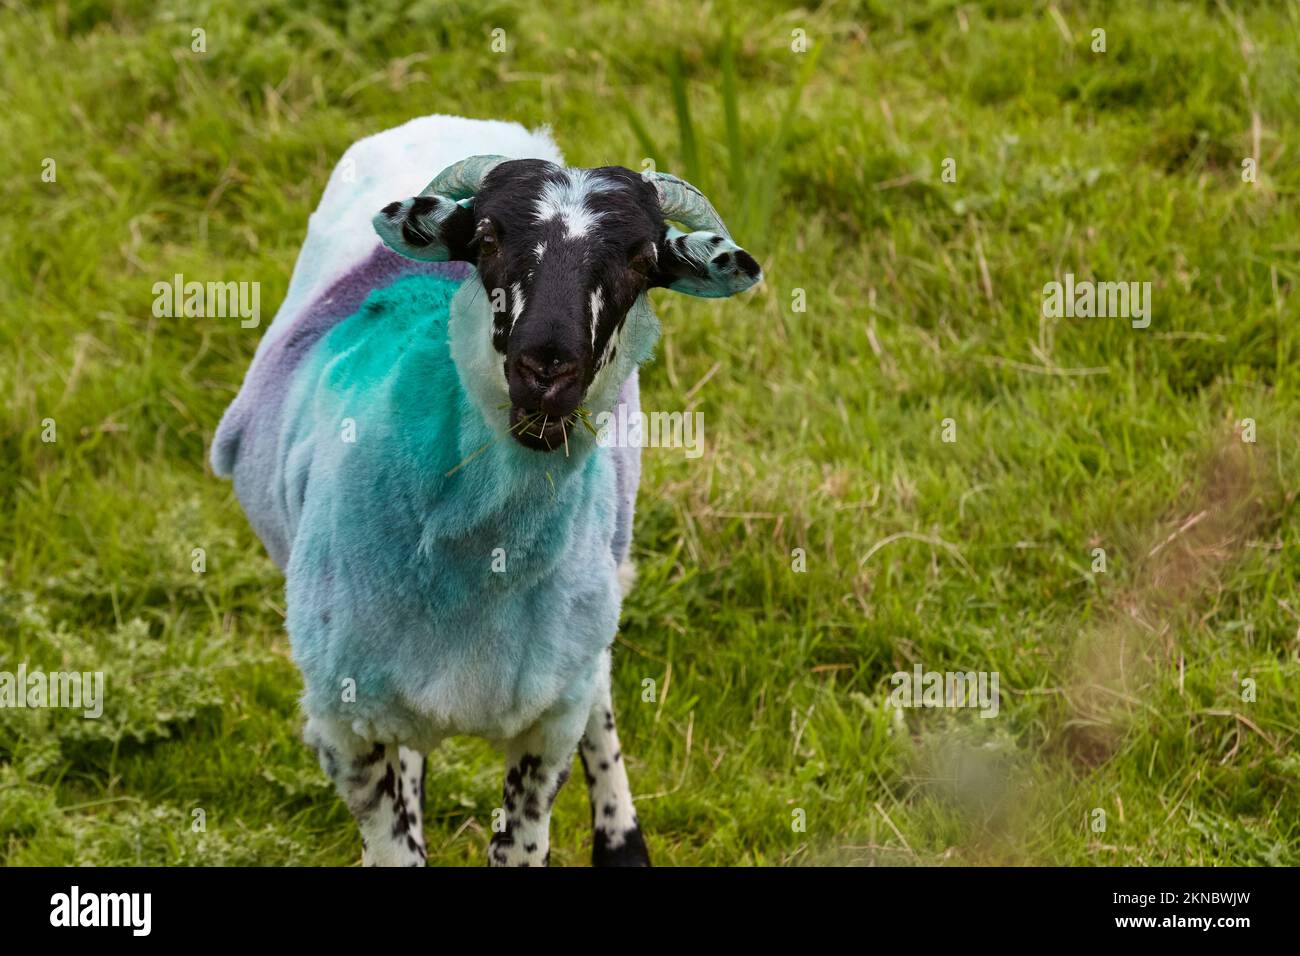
column 407, row 444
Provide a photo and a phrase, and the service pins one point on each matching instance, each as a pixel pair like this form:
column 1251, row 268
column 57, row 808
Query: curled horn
column 462, row 180
column 682, row 202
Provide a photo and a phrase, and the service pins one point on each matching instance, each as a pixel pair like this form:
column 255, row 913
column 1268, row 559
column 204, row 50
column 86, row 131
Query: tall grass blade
column 731, row 112
column 761, row 197
column 685, row 125
column 641, row 133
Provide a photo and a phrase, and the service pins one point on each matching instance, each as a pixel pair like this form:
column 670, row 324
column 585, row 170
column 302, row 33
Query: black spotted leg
column 537, row 764
column 383, row 795
column 616, row 834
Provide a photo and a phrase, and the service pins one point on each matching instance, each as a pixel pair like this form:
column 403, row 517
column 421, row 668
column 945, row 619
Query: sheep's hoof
column 631, row 852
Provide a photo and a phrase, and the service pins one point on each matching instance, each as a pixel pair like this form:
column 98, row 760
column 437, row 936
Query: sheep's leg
column 537, row 764
column 616, row 835
column 411, row 764
column 370, row 779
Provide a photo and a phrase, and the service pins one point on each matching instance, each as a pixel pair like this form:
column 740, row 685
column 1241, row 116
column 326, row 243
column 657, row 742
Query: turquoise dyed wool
column 459, row 579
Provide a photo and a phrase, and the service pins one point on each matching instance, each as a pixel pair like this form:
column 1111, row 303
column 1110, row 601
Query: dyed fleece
column 440, row 577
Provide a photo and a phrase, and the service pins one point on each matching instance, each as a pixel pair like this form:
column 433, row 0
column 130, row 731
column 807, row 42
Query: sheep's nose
column 548, row 383
column 542, row 372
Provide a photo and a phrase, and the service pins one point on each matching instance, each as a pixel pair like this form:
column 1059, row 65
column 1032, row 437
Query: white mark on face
column 565, row 199
column 539, row 250
column 516, row 305
column 608, row 351
column 597, row 298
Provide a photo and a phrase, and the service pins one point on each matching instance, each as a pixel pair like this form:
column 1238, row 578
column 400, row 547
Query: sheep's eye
column 643, row 259
column 486, row 237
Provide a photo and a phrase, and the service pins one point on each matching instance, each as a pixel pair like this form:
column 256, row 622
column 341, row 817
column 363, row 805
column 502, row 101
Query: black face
column 563, row 255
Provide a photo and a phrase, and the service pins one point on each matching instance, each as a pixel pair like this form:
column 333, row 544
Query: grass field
column 1162, row 692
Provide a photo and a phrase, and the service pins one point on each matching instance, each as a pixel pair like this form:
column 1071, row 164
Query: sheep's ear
column 704, row 263
column 432, row 228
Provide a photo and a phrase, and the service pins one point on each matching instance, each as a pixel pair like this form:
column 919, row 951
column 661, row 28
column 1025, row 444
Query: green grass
column 1120, row 692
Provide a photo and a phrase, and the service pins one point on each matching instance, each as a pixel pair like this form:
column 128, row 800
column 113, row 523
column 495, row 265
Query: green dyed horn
column 462, row 180
column 682, row 202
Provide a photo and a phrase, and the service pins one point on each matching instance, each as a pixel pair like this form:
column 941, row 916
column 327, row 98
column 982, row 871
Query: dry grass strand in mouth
column 470, row 457
column 521, row 426
column 578, row 416
column 583, row 416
